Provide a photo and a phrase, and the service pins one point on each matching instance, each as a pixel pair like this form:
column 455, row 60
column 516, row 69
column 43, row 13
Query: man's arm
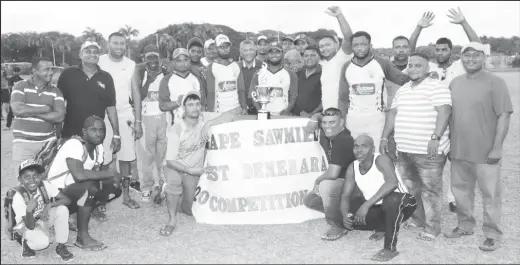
column 392, row 73
column 458, row 18
column 341, row 155
column 441, row 100
column 165, row 104
column 60, row 199
column 424, row 22
column 346, row 31
column 344, row 91
column 389, row 122
column 111, row 108
column 241, row 89
column 293, row 91
column 503, row 107
column 317, row 109
column 386, row 167
column 332, row 173
column 348, row 188
column 136, row 94
column 20, row 108
column 58, row 112
column 79, row 173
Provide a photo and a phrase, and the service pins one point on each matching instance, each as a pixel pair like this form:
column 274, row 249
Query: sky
column 383, row 20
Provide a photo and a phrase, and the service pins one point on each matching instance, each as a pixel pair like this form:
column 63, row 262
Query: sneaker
column 489, row 245
column 27, row 252
column 64, row 253
column 453, row 207
column 457, row 233
column 136, row 185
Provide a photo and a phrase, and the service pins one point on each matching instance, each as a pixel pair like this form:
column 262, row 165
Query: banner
column 258, row 173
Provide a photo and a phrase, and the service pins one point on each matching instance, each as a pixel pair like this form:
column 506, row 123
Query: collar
column 30, row 81
column 254, row 64
column 369, row 60
column 80, row 67
column 317, row 71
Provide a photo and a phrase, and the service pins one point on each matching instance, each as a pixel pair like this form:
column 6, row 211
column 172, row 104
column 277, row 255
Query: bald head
column 364, row 139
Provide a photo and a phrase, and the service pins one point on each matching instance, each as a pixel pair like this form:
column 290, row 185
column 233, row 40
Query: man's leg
column 126, row 155
column 410, row 178
column 144, row 151
column 85, row 206
column 173, row 191
column 488, row 178
column 59, row 218
column 449, row 192
column 23, row 151
column 189, row 185
column 36, row 239
column 10, row 117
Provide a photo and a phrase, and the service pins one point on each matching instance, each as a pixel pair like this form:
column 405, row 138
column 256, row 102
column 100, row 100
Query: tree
column 167, row 44
column 63, row 45
column 92, row 35
column 128, row 32
column 39, row 41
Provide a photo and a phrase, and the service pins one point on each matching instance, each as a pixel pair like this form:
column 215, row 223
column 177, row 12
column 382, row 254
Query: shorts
column 5, row 96
column 367, row 123
column 127, row 151
column 176, row 180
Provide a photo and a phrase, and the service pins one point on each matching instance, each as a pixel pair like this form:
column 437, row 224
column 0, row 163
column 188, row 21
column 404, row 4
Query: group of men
column 115, row 111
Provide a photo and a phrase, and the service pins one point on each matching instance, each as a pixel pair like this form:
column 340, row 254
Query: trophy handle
column 254, row 96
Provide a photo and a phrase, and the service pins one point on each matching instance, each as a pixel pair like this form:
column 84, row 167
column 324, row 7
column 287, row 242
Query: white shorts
column 127, row 151
column 368, row 123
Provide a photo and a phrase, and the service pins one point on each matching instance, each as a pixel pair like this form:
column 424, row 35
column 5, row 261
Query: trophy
column 261, row 96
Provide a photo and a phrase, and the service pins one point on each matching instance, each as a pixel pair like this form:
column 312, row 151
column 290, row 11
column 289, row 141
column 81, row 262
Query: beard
column 224, row 56
column 274, row 63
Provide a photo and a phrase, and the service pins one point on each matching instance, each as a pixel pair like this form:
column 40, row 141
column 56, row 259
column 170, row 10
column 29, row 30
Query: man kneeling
column 75, row 170
column 388, row 204
column 38, row 205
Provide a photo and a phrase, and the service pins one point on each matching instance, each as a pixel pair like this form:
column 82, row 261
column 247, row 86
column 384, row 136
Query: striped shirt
column 32, row 129
column 416, row 116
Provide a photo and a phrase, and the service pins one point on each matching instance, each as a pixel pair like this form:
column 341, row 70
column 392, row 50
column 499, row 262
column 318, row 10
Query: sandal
column 131, row 204
column 98, row 215
column 102, row 208
column 384, row 255
column 96, row 247
column 426, row 237
column 73, row 226
column 166, row 230
column 334, row 233
column 376, row 236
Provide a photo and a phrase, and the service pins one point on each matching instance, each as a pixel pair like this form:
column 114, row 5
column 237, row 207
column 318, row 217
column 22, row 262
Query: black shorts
column 5, row 96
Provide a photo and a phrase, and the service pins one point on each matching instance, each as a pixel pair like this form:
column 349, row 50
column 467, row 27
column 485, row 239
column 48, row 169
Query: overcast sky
column 383, row 20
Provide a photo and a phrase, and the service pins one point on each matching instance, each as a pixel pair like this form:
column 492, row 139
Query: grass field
column 132, row 235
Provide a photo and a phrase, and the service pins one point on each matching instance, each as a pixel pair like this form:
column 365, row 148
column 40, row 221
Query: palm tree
column 167, row 44
column 63, row 45
column 128, row 32
column 40, row 42
column 92, row 35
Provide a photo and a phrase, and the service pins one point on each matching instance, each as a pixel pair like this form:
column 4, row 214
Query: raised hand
column 456, row 16
column 333, row 11
column 426, row 20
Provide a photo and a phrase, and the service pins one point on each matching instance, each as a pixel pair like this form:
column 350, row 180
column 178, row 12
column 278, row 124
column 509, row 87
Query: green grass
column 132, row 235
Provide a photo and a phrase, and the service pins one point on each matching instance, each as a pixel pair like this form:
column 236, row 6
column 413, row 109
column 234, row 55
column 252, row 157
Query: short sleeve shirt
column 330, row 76
column 19, row 206
column 340, row 150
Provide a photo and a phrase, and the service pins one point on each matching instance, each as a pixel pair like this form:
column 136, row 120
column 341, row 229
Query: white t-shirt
column 19, row 206
column 121, row 73
column 72, row 148
column 330, row 75
column 151, row 101
column 455, row 69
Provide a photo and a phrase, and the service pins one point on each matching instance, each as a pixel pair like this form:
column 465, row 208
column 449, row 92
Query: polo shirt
column 340, row 150
column 85, row 97
column 32, row 129
column 416, row 116
column 477, row 103
column 309, row 91
column 248, row 74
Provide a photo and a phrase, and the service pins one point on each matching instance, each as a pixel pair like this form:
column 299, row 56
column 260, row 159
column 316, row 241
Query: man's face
column 195, row 53
column 362, row 148
column 211, row 52
column 300, row 45
column 90, row 55
column 117, row 46
column 248, row 52
column 287, row 45
column 310, row 58
column 224, row 50
column 43, row 71
column 472, row 60
column 361, row 47
column 442, row 53
column 274, row 57
column 30, row 179
column 192, row 108
column 152, row 61
column 328, row 48
column 401, row 49
column 293, row 63
column 417, row 68
column 332, row 125
column 262, row 47
column 182, row 63
column 95, row 134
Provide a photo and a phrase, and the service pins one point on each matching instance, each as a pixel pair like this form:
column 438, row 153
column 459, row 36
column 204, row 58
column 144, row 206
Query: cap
column 29, row 163
column 194, row 41
column 282, row 38
column 221, row 39
column 261, row 37
column 275, row 45
column 485, row 48
column 313, row 47
column 179, row 51
column 301, row 37
column 191, row 92
column 87, row 44
column 150, row 49
column 208, row 43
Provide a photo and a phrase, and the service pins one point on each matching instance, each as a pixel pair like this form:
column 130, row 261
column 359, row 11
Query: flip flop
column 102, row 208
column 98, row 215
column 131, row 204
column 166, row 230
column 376, row 236
column 73, row 227
column 334, row 233
column 426, row 237
column 96, row 247
column 384, row 255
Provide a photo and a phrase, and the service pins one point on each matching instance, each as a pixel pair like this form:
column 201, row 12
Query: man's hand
column 433, row 148
column 333, row 11
column 205, row 132
column 361, row 214
column 426, row 20
column 115, row 145
column 138, row 130
column 305, row 114
column 285, row 112
column 244, row 111
column 33, row 204
column 456, row 17
column 310, row 127
column 494, row 155
column 316, row 189
column 348, row 222
column 196, row 171
column 383, row 146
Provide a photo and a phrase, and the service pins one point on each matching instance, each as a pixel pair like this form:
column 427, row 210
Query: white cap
column 208, row 42
column 87, row 44
column 221, row 39
column 262, row 37
column 485, row 48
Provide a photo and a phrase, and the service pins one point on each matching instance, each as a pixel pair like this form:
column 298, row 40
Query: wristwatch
column 435, row 137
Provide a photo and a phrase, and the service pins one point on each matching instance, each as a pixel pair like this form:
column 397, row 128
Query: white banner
column 259, row 172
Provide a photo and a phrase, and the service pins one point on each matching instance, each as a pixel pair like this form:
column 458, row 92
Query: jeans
column 464, row 176
column 328, row 202
column 422, row 177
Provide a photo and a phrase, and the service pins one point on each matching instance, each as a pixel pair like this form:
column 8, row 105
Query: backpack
column 48, row 152
column 9, row 212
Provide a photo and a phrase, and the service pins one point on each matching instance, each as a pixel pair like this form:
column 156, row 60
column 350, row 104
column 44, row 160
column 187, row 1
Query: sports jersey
column 225, row 86
column 283, row 88
column 150, row 105
column 448, row 74
column 174, row 86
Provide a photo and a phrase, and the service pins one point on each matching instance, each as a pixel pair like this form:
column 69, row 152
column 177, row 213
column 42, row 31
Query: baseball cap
column 313, row 47
column 301, row 37
column 87, row 44
column 221, row 39
column 262, row 37
column 275, row 45
column 179, row 51
column 31, row 163
column 208, row 43
column 193, row 41
column 485, row 48
column 282, row 38
column 150, row 49
column 191, row 92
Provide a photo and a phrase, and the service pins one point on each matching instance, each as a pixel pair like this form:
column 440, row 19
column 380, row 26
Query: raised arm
column 346, row 45
column 424, row 22
column 293, row 92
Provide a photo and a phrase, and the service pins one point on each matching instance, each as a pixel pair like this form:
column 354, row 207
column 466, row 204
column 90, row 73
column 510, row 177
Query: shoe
column 489, row 245
column 136, row 185
column 64, row 253
column 453, row 207
column 457, row 233
column 27, row 252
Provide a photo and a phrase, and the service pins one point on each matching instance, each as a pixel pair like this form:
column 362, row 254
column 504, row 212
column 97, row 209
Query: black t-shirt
column 339, row 151
column 13, row 80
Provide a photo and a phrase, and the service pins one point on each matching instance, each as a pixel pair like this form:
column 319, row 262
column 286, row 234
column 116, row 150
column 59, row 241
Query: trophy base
column 263, row 115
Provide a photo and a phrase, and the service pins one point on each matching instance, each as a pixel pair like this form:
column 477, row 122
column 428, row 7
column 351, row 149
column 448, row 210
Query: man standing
column 384, row 203
column 337, row 143
column 480, row 100
column 126, row 84
column 361, row 87
column 283, row 83
column 262, row 45
column 308, row 101
column 293, row 61
column 225, row 81
column 419, row 115
column 37, row 108
column 287, row 43
column 195, row 49
column 333, row 59
column 8, row 110
column 300, row 43
column 210, row 52
column 249, row 66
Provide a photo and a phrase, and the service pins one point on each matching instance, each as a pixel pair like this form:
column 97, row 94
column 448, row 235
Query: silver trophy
column 261, row 96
